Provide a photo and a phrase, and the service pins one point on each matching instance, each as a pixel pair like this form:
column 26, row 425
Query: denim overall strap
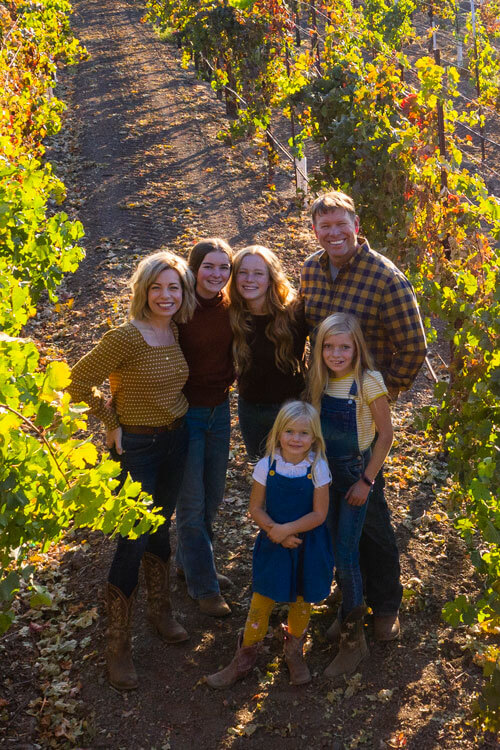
column 339, row 424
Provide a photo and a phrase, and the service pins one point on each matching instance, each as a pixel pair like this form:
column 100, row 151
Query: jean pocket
column 346, row 471
column 137, row 445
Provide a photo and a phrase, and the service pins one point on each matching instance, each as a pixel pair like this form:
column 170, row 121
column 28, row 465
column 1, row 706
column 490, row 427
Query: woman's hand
column 291, row 541
column 114, row 440
column 278, row 532
column 358, row 493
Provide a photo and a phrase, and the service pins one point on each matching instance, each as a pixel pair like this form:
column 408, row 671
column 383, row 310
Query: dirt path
column 144, row 170
column 152, row 170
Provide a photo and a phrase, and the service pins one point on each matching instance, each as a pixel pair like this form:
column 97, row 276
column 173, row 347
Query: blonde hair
column 330, row 201
column 145, row 274
column 318, row 373
column 291, row 412
column 280, row 297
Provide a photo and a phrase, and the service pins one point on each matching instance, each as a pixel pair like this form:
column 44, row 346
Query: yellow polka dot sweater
column 146, row 381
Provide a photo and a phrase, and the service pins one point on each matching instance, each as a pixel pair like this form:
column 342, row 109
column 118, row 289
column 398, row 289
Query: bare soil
column 145, row 169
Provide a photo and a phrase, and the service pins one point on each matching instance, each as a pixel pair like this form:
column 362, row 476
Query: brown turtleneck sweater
column 206, row 342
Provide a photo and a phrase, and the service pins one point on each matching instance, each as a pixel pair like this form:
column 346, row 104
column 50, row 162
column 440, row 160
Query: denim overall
column 347, row 464
column 283, row 574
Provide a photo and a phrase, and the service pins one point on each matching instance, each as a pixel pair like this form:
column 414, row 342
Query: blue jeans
column 256, row 421
column 379, row 554
column 346, row 524
column 201, row 494
column 157, row 462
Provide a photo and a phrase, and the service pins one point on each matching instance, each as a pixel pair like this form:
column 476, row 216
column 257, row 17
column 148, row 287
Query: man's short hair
column 330, row 201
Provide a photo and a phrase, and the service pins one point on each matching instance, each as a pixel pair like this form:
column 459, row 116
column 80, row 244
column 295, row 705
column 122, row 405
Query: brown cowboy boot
column 119, row 665
column 333, row 632
column 223, row 581
column 386, row 627
column 353, row 648
column 293, row 649
column 242, row 663
column 215, row 606
column 334, row 598
column 156, row 572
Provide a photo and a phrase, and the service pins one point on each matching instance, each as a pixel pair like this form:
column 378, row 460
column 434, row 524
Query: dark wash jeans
column 256, row 421
column 379, row 555
column 157, row 462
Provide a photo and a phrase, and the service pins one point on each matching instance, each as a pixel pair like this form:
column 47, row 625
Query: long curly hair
column 279, row 303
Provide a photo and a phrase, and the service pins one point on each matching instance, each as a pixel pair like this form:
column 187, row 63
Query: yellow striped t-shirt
column 373, row 387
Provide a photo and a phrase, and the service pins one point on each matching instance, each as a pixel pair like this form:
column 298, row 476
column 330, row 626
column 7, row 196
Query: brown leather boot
column 353, row 648
column 119, row 665
column 242, row 663
column 333, row 632
column 334, row 597
column 215, row 606
column 223, row 581
column 156, row 572
column 293, row 648
column 386, row 627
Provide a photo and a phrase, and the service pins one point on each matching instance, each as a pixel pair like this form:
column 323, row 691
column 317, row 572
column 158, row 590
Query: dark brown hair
column 203, row 247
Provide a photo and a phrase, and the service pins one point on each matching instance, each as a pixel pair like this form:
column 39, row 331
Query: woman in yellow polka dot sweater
column 145, row 431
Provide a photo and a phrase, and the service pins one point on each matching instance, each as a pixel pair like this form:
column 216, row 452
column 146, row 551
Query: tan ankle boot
column 353, row 648
column 119, row 664
column 156, row 572
column 293, row 649
column 242, row 663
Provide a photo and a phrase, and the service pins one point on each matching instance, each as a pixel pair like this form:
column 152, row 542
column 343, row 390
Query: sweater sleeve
column 94, row 368
column 404, row 329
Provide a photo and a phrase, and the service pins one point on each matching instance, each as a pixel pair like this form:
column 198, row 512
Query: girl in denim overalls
column 292, row 559
column 354, row 407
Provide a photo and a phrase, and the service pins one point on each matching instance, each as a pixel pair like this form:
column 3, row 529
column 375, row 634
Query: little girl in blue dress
column 293, row 558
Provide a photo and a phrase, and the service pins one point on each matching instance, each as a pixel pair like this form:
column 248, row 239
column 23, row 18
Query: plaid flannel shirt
column 373, row 289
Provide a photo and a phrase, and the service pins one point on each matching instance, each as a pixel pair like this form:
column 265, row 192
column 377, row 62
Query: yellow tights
column 261, row 607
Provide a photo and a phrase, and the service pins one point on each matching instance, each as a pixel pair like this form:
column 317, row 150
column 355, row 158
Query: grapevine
column 390, row 129
column 50, row 480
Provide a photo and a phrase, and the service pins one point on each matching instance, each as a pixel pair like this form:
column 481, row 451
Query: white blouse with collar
column 321, row 476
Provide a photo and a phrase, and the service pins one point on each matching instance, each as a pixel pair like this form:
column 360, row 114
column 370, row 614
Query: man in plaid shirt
column 348, row 276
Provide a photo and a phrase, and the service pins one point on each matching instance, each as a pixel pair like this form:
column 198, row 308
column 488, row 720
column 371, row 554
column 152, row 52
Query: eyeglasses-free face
column 252, row 281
